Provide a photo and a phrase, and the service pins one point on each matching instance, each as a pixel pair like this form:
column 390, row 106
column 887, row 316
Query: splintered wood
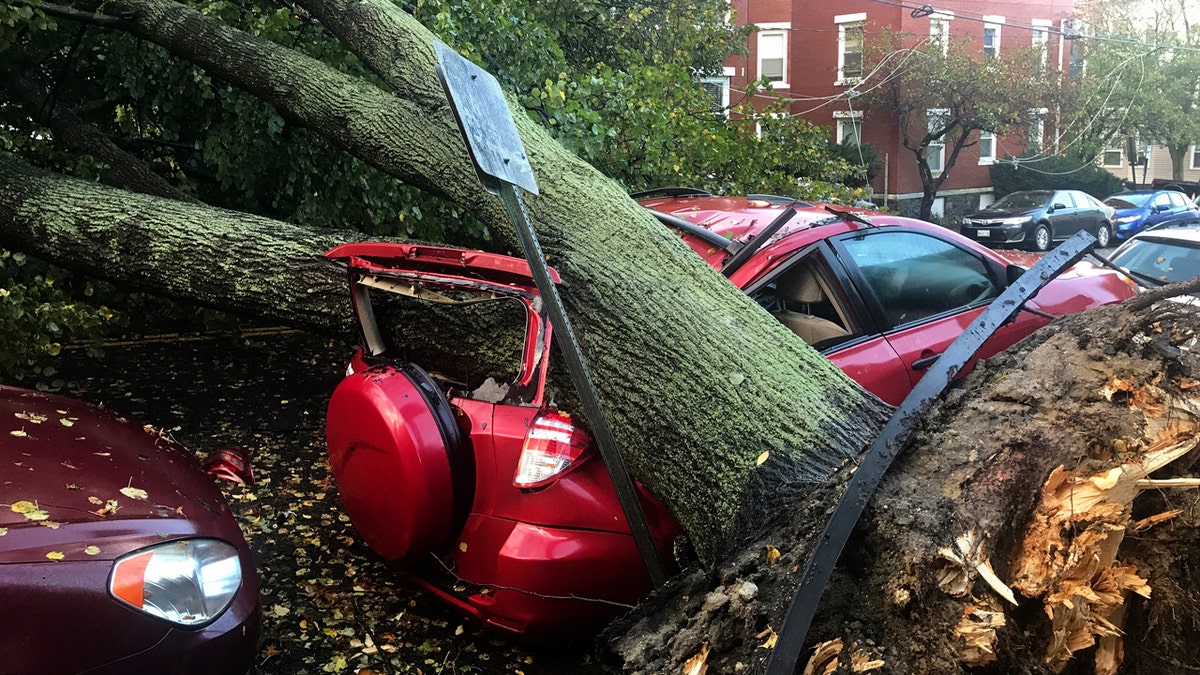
column 825, row 659
column 1068, row 560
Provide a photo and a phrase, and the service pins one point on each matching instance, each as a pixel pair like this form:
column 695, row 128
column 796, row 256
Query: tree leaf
column 134, row 493
column 55, row 555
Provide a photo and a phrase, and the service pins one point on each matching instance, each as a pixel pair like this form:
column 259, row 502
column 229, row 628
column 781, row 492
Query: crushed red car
column 117, row 553
column 493, row 500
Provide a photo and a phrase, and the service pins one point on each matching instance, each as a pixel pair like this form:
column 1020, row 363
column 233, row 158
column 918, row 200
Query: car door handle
column 924, row 362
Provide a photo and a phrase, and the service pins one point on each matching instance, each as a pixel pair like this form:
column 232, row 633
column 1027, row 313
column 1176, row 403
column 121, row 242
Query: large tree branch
column 123, row 169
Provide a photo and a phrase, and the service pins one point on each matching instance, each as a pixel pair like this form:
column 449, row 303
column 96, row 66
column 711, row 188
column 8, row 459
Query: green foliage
column 39, row 314
column 1053, row 173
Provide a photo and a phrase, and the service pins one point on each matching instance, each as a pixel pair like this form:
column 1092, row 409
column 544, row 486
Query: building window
column 1037, row 128
column 772, row 53
column 991, row 36
column 939, row 30
column 1112, row 154
column 718, row 90
column 935, row 151
column 849, row 131
column 1194, row 153
column 987, row 147
column 1041, row 38
column 850, row 47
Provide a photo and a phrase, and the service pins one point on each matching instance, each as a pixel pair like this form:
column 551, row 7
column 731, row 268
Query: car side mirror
column 1058, row 206
column 1014, row 272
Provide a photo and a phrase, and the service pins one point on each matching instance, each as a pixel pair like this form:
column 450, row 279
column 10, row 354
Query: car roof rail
column 670, row 192
column 707, row 236
column 781, row 200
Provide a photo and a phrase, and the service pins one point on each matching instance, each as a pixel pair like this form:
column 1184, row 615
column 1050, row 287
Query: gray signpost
column 500, row 161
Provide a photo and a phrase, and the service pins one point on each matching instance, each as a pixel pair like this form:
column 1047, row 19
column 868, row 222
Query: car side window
column 915, row 276
column 806, row 297
column 1177, row 199
column 1065, row 198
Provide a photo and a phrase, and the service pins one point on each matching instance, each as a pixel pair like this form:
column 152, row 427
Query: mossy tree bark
column 699, row 381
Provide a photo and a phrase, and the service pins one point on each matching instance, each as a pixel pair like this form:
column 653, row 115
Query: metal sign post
column 502, row 166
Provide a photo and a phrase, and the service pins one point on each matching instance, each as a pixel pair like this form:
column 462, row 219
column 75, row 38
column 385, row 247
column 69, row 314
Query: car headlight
column 1018, row 220
column 188, row 582
column 1128, row 219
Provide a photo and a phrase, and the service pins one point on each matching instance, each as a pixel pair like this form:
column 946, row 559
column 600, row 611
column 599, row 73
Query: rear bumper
column 542, row 583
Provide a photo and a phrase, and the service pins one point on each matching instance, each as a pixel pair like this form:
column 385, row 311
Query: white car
column 1161, row 256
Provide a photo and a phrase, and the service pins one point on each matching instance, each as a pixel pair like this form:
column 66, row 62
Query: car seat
column 801, row 292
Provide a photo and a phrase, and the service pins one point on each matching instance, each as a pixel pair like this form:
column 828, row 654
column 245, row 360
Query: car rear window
column 1160, row 259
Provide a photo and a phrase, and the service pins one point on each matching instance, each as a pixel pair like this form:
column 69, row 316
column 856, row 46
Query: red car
column 117, row 553
column 493, row 500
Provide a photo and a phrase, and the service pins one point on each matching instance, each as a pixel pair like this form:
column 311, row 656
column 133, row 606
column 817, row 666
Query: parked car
column 492, row 499
column 1138, row 210
column 1161, row 256
column 1037, row 218
column 117, row 553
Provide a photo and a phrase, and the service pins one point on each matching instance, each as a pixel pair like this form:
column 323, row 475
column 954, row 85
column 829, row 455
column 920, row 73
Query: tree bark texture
column 1093, row 395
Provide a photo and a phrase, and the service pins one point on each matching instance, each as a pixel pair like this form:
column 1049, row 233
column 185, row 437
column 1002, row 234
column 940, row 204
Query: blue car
column 1139, row 210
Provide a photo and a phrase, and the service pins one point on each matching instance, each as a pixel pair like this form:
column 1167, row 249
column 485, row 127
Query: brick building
column 812, row 51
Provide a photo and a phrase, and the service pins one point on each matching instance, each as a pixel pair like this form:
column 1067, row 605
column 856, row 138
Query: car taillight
column 189, row 582
column 553, row 446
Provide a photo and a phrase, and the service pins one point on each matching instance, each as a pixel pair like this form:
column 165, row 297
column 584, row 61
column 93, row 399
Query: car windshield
column 1160, row 260
column 1022, row 200
column 1131, row 201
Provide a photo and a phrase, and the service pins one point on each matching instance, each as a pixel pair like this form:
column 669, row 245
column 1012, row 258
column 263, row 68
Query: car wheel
column 1041, row 237
column 1103, row 235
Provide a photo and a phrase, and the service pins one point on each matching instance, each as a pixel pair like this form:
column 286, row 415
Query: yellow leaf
column 462, row 546
column 772, row 554
column 771, row 636
column 304, row 623
column 55, row 555
column 66, row 421
column 19, row 433
column 23, row 507
column 3, row 531
column 91, row 550
column 762, row 458
column 134, row 493
column 459, row 630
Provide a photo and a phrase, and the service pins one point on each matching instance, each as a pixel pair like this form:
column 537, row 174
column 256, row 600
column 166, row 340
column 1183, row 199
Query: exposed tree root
column 1041, row 521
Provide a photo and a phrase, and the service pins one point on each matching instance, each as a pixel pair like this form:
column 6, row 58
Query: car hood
column 79, row 481
column 1000, row 213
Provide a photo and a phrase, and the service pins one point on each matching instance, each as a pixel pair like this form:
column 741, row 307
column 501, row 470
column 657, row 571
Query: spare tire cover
column 391, row 464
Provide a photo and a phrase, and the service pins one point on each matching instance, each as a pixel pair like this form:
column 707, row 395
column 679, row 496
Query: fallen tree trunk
column 1022, row 531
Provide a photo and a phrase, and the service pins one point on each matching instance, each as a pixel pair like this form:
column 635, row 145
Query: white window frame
column 990, row 157
column 723, row 82
column 1040, row 39
column 994, row 23
column 773, row 30
column 935, row 116
column 939, row 30
column 844, row 22
column 848, row 119
column 1037, row 127
column 1114, row 146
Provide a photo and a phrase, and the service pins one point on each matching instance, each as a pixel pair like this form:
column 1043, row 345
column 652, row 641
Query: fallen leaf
column 31, row 417
column 771, row 636
column 762, row 459
column 23, row 507
column 55, row 555
column 95, row 500
column 91, row 550
column 280, row 610
column 134, row 493
column 772, row 554
column 66, row 422
column 3, row 531
column 19, row 433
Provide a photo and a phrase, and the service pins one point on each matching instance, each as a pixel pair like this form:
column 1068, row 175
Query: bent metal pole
column 502, row 166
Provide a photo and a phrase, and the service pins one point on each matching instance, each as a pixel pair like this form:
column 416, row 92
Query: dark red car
column 493, row 500
column 117, row 553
